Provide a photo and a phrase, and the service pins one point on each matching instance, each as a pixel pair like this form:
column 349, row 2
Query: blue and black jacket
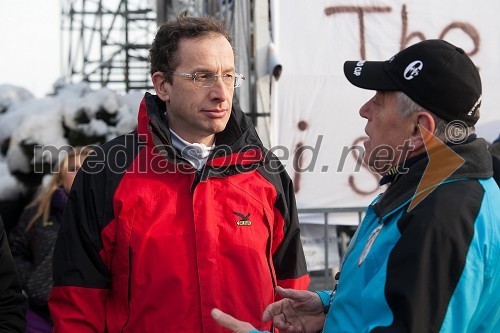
column 434, row 268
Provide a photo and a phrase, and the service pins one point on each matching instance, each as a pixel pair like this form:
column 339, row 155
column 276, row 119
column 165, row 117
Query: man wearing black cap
column 425, row 257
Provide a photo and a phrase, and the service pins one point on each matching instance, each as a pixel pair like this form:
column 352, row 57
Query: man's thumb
column 230, row 322
column 296, row 295
column 224, row 319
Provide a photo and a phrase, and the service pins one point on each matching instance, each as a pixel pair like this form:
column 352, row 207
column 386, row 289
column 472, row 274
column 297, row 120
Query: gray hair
column 446, row 131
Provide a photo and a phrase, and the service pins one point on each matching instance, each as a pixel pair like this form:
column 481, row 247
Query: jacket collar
column 477, row 165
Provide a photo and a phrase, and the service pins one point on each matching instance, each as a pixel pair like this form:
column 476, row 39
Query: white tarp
column 315, row 106
column 313, row 242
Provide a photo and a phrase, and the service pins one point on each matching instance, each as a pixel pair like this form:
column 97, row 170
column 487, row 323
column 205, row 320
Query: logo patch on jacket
column 244, row 221
column 369, row 243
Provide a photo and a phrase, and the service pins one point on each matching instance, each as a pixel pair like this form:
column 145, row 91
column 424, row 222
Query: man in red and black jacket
column 185, row 214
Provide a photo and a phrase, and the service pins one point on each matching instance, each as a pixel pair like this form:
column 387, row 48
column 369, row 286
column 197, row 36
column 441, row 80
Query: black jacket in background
column 13, row 304
column 33, row 250
column 495, row 154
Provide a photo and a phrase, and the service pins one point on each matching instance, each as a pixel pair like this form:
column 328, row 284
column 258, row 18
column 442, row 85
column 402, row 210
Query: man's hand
column 298, row 311
column 229, row 322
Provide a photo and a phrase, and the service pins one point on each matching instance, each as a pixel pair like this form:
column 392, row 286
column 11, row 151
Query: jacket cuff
column 326, row 297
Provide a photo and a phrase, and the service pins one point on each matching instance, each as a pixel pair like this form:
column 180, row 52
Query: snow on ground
column 73, row 115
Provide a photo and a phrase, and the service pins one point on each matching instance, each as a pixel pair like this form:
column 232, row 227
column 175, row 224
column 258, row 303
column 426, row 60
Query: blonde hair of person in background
column 66, row 172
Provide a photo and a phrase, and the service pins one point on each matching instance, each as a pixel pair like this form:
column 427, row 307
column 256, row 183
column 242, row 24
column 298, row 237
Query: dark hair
column 162, row 54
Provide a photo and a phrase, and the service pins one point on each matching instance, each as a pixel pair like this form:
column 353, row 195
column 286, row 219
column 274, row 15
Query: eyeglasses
column 207, row 79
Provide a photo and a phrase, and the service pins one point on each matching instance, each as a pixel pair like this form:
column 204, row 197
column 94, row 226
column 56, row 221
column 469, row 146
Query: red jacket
column 148, row 244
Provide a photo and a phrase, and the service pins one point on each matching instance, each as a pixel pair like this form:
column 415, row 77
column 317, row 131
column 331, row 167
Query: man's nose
column 219, row 91
column 364, row 110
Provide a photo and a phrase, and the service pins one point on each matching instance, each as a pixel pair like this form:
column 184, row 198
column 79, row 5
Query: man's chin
column 382, row 168
column 219, row 125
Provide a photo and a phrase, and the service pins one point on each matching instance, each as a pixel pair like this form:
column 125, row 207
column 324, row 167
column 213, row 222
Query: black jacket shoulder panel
column 290, row 253
column 88, row 211
column 103, row 170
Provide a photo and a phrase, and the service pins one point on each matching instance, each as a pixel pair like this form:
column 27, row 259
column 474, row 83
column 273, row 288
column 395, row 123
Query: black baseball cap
column 434, row 73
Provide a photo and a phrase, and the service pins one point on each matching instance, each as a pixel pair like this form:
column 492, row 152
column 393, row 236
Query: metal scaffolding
column 106, row 42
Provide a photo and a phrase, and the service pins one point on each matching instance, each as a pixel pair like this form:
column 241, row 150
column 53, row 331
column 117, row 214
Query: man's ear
column 418, row 137
column 161, row 86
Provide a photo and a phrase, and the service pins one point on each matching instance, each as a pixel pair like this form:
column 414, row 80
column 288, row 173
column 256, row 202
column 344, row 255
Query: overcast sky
column 29, row 44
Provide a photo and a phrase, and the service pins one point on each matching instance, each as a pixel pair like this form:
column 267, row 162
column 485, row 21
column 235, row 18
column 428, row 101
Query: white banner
column 316, row 108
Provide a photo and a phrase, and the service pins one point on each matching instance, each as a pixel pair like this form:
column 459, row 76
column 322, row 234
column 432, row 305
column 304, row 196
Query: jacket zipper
column 197, row 178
